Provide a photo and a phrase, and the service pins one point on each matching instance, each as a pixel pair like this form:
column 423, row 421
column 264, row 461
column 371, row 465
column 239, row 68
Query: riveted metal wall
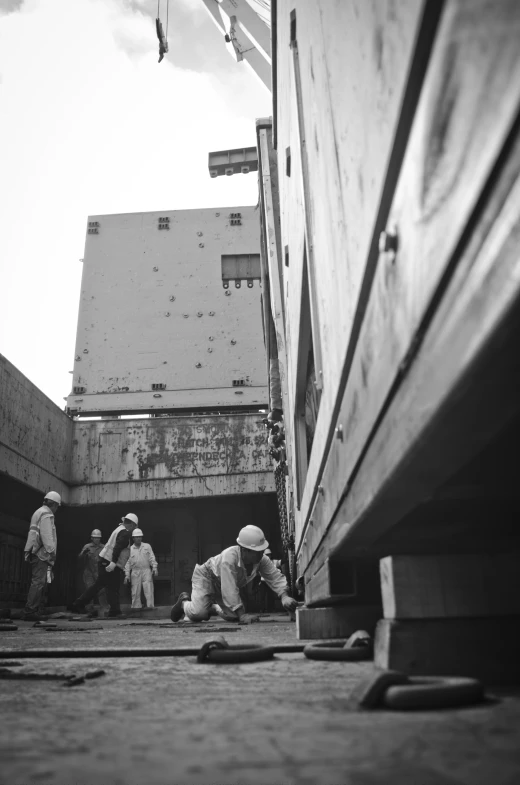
column 156, row 327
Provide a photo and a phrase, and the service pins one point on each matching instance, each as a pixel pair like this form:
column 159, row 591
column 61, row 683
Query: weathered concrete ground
column 173, row 722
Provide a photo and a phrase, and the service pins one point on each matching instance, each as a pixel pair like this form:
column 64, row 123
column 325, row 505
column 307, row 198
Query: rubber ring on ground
column 335, row 651
column 433, row 692
column 238, row 654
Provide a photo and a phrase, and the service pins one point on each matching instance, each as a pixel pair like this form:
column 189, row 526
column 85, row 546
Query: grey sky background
column 90, row 123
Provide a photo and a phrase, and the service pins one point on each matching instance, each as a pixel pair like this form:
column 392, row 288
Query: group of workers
column 104, row 564
column 216, row 584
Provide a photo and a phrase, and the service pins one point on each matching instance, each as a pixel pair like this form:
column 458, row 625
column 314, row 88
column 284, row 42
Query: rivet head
column 167, row 313
column 198, row 365
column 210, row 349
column 185, row 315
column 212, row 313
column 388, row 241
column 201, row 245
column 199, row 314
column 339, row 433
column 233, row 342
column 217, row 215
column 155, row 269
column 210, row 338
column 172, row 298
column 228, row 293
column 199, row 234
column 85, row 351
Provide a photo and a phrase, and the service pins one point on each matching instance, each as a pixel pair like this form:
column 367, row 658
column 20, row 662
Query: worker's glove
column 155, row 572
column 289, row 603
column 248, row 618
column 111, row 567
column 127, row 580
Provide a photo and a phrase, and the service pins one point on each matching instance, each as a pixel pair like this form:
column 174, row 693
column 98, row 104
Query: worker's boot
column 177, row 612
column 34, row 617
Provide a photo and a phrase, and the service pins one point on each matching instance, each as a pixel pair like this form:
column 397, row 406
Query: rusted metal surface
column 169, row 447
column 117, row 460
column 35, row 436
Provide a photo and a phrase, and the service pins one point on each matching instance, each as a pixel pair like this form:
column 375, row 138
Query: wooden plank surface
column 450, row 586
column 487, row 649
column 473, row 82
column 333, row 42
column 463, row 387
column 320, row 623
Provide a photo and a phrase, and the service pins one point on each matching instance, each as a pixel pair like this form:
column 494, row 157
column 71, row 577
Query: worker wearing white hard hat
column 216, row 584
column 139, row 569
column 89, row 560
column 112, row 561
column 40, row 551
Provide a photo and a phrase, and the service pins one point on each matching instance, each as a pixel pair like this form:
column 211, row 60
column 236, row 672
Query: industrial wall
column 35, row 435
column 156, row 328
column 169, row 458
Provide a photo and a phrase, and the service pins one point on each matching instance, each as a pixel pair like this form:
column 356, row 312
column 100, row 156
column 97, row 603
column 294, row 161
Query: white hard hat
column 137, row 533
column 253, row 538
column 53, row 497
column 131, row 517
column 95, row 533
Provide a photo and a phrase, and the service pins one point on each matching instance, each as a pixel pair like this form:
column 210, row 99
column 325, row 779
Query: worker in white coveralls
column 139, row 569
column 89, row 559
column 112, row 562
column 40, row 551
column 216, row 584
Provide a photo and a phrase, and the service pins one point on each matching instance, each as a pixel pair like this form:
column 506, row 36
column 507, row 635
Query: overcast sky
column 90, row 123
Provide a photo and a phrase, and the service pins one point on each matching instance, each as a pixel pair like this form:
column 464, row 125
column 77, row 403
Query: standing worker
column 219, row 580
column 89, row 558
column 112, row 562
column 40, row 550
column 139, row 568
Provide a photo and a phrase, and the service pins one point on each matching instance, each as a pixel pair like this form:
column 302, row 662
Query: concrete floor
column 285, row 722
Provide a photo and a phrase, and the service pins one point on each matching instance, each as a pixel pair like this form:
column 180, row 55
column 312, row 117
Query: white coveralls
column 139, row 569
column 219, row 580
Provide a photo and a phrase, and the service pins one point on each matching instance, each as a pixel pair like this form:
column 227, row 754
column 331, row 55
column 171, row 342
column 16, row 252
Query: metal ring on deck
column 335, row 650
column 240, row 653
column 433, row 692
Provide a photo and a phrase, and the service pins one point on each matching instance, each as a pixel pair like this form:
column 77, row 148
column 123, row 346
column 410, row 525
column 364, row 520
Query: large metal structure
column 170, row 316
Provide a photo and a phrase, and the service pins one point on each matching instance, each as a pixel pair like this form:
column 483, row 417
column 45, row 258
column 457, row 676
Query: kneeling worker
column 220, row 579
column 139, row 568
column 112, row 562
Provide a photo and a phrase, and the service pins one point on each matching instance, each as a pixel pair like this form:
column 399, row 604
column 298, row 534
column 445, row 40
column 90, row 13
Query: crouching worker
column 112, row 562
column 139, row 569
column 216, row 584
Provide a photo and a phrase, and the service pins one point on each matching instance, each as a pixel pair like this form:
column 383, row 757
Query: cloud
column 9, row 6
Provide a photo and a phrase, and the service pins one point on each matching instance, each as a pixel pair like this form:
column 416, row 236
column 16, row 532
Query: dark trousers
column 110, row 581
column 35, row 598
